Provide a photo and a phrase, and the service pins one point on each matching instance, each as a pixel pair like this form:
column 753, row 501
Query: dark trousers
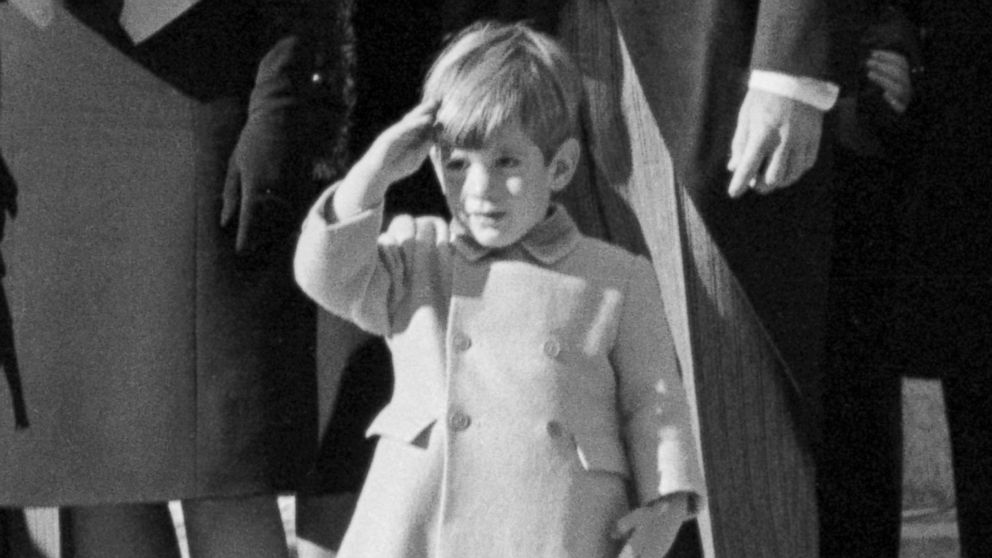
column 888, row 319
column 859, row 457
column 968, row 397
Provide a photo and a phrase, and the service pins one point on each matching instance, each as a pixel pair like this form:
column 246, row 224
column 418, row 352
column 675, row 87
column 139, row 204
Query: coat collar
column 548, row 242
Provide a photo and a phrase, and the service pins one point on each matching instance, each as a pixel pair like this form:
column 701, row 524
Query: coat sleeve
column 791, row 37
column 655, row 417
column 337, row 265
column 351, row 273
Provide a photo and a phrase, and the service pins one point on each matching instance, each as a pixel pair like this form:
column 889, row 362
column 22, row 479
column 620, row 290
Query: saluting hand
column 396, row 154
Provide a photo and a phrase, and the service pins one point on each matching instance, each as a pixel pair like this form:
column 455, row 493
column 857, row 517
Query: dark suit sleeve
column 791, row 37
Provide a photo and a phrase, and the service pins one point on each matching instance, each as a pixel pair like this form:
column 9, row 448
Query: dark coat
column 692, row 60
column 744, row 281
column 157, row 362
column 944, row 319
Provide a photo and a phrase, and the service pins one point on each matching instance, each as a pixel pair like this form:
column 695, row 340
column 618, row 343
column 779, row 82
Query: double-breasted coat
column 535, row 388
column 157, row 362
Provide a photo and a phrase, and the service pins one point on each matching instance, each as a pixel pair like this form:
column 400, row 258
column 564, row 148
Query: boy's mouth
column 486, row 217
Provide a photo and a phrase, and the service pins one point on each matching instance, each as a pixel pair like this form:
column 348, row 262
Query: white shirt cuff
column 815, row 92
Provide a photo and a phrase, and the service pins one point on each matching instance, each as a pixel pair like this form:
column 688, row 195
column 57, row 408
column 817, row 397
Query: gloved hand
column 259, row 174
column 266, row 170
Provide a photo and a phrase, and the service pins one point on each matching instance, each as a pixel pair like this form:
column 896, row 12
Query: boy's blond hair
column 491, row 74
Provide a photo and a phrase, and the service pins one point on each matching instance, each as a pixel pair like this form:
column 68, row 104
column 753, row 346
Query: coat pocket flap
column 602, row 452
column 400, row 424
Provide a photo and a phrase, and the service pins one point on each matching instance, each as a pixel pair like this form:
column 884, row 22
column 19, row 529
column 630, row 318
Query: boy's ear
column 565, row 161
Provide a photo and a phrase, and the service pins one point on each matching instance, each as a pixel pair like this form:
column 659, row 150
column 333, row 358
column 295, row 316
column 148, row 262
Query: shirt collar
column 549, row 241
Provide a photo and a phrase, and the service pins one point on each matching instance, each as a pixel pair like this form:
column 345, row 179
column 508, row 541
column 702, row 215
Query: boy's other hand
column 650, row 530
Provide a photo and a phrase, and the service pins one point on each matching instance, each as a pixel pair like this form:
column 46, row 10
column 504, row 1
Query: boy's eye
column 507, row 162
column 455, row 165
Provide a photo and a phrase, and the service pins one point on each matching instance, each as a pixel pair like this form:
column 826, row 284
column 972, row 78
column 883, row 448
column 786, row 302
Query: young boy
column 536, row 388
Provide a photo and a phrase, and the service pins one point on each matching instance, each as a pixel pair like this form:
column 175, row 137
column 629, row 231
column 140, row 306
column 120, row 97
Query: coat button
column 458, row 421
column 461, row 342
column 555, row 429
column 552, row 348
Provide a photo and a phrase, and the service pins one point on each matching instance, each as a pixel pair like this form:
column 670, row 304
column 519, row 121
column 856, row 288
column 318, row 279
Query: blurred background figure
column 859, row 475
column 913, row 268
column 943, row 324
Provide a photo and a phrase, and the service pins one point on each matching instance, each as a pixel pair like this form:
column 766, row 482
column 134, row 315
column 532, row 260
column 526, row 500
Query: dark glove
column 267, row 169
column 256, row 188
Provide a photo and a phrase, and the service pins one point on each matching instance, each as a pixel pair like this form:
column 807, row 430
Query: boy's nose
column 477, row 182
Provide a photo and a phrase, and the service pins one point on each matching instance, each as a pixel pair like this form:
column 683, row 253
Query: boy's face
column 502, row 190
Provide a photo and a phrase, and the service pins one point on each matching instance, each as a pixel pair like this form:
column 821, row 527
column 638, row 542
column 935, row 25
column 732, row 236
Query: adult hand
column 256, row 187
column 776, row 141
column 266, row 170
column 890, row 71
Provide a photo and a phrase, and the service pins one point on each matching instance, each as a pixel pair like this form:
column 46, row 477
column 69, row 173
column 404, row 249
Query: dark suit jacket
column 944, row 323
column 693, row 58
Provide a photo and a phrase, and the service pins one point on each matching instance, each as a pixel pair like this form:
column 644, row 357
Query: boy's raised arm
column 397, row 153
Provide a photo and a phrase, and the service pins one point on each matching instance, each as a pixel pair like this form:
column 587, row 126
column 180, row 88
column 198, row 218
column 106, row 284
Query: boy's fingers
column 427, row 109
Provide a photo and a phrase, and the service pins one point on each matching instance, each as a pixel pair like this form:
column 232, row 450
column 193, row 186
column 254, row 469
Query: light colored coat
column 536, row 387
